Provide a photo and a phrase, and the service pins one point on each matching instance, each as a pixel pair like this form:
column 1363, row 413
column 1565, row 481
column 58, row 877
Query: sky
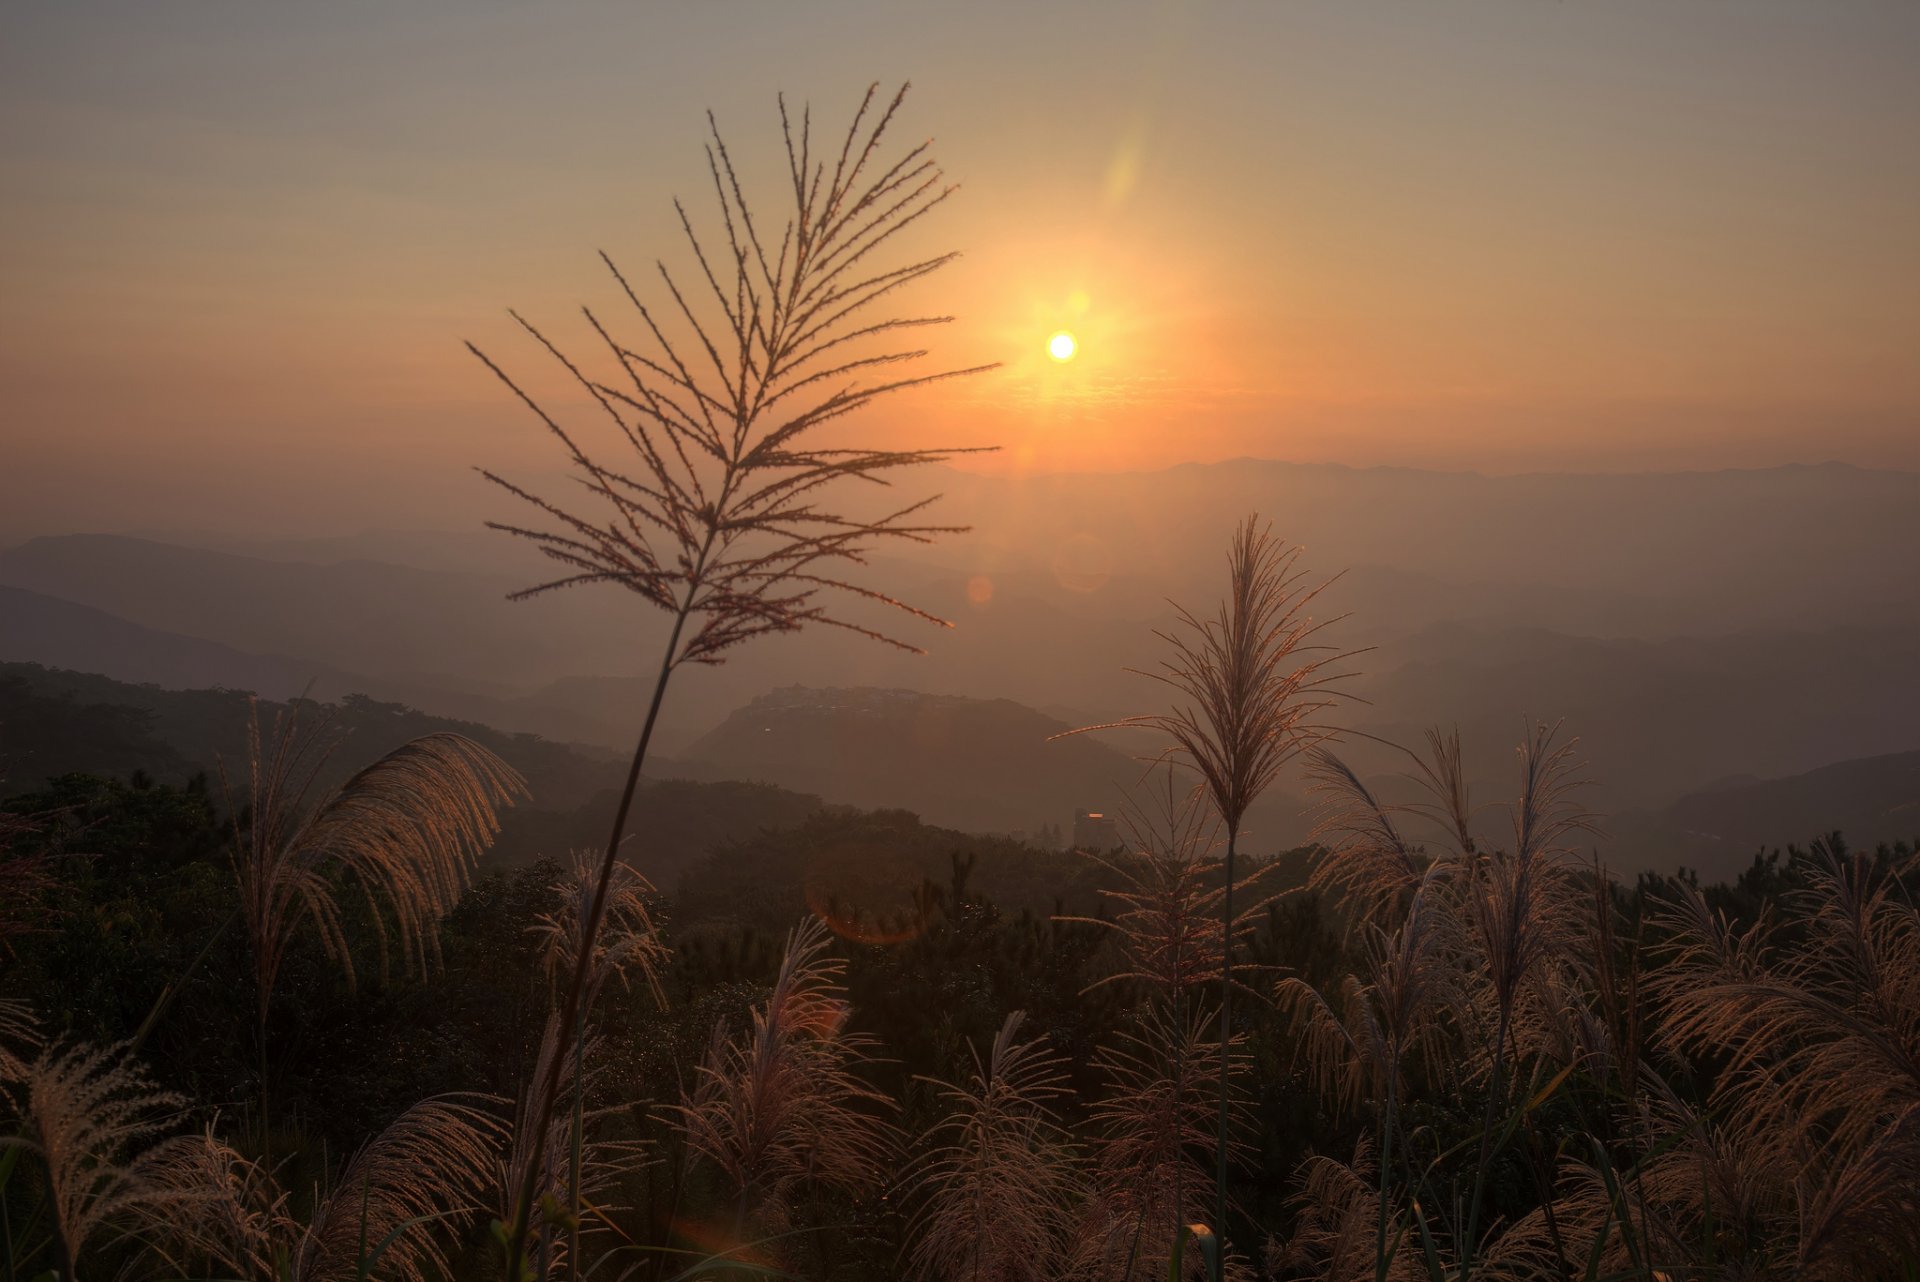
column 241, row 243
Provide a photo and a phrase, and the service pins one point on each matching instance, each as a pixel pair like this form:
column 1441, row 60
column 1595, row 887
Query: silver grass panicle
column 1488, row 935
column 1248, row 682
column 87, row 1113
column 401, row 1198
column 1356, row 1045
column 1524, row 902
column 1154, row 1129
column 1166, row 921
column 425, row 1174
column 405, row 831
column 1371, row 862
column 239, row 1223
column 1167, row 930
column 1834, row 1030
column 560, row 1181
column 1336, row 1238
column 1522, row 907
column 1700, row 1201
column 722, row 513
column 780, row 1107
column 998, row 1185
column 1359, row 1051
column 19, row 1037
column 1822, row 1048
column 629, row 945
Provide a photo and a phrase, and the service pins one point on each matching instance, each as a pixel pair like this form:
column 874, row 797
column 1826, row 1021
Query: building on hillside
column 1095, row 830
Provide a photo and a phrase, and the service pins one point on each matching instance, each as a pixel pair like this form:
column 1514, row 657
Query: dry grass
column 1164, row 914
column 1821, row 1086
column 998, row 1182
column 563, row 1175
column 720, row 507
column 780, row 1107
column 718, row 516
column 1339, row 1210
column 628, row 946
column 1249, row 680
column 89, row 1114
column 1156, row 1128
column 386, row 1215
column 1357, row 1042
column 404, row 831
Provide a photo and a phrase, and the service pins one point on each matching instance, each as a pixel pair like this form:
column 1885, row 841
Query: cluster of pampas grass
column 405, row 831
column 384, row 1214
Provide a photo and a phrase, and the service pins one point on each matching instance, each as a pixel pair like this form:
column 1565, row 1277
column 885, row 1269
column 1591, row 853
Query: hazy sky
column 240, row 243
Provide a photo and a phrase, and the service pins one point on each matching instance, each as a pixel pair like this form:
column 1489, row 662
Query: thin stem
column 1386, row 1157
column 577, row 1140
column 1226, row 1034
column 266, row 1134
column 570, row 1008
column 1494, row 1087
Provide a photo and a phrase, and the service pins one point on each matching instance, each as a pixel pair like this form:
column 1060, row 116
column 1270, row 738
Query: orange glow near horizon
column 1290, row 232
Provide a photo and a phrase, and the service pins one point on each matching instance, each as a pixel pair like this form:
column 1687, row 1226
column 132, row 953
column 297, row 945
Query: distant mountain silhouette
column 54, row 722
column 36, row 628
column 1688, row 626
column 1655, row 719
column 373, row 617
column 1717, row 831
column 978, row 765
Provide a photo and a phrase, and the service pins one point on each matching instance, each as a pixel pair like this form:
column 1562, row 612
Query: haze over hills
column 1718, row 830
column 1687, row 626
column 980, row 764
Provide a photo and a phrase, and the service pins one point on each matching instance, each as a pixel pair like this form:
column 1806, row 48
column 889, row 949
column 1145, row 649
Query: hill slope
column 1717, row 830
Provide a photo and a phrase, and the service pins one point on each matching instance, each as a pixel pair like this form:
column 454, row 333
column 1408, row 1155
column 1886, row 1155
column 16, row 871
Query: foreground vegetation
column 1565, row 1078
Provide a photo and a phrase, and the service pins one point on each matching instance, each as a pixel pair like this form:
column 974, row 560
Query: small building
column 1095, row 830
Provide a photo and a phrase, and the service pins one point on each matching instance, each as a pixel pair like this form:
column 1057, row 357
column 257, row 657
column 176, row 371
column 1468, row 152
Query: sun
column 1061, row 346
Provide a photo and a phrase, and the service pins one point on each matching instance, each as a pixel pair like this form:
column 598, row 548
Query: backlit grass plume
column 1248, row 683
column 998, row 1182
column 1163, row 912
column 571, row 1163
column 1822, row 1047
column 388, row 1213
column 629, row 945
column 1154, row 1129
column 404, row 831
column 779, row 1106
column 721, row 502
column 90, row 1115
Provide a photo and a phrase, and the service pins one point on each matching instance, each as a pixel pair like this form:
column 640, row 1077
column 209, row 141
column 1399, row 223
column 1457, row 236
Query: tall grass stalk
column 718, row 519
column 1248, row 681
